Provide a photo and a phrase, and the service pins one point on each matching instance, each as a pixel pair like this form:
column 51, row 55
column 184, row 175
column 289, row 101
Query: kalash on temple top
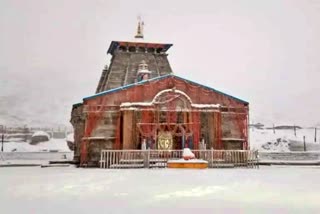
column 139, row 44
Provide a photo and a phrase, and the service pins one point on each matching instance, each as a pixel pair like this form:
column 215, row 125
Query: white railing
column 122, row 159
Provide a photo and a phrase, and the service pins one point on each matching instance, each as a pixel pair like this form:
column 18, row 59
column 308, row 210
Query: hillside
column 36, row 100
column 283, row 140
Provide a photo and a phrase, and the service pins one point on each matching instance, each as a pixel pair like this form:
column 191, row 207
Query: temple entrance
column 171, row 137
column 167, row 123
column 174, row 140
column 165, row 136
column 167, row 141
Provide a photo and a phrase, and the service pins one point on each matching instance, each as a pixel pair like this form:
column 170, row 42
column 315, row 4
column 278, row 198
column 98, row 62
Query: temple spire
column 139, row 34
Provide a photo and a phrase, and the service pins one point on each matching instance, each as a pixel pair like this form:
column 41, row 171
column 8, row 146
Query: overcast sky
column 265, row 52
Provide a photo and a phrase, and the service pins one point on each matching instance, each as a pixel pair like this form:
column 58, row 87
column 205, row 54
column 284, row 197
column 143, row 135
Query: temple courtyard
column 55, row 190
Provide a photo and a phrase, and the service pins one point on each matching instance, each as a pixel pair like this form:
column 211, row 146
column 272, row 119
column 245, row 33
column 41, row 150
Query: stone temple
column 139, row 99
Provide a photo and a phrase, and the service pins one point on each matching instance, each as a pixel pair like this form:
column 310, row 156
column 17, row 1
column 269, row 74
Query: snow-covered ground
column 283, row 140
column 77, row 190
column 41, row 153
column 52, row 144
column 71, row 190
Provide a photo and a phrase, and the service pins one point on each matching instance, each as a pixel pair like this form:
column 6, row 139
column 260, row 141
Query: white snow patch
column 187, row 161
column 70, row 137
column 147, row 104
column 205, row 105
column 41, row 133
column 52, row 144
column 187, row 153
column 283, row 140
column 129, row 104
column 144, row 71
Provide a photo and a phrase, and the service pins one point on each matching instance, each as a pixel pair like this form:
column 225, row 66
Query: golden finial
column 139, row 34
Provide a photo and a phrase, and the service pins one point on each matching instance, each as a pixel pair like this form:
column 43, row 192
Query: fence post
column 146, row 158
column 304, row 143
column 252, row 159
column 108, row 158
column 2, row 137
column 2, row 140
column 101, row 154
column 274, row 130
column 257, row 158
column 114, row 158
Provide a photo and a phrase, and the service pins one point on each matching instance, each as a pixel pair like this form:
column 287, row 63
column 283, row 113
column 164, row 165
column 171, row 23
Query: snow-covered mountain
column 38, row 100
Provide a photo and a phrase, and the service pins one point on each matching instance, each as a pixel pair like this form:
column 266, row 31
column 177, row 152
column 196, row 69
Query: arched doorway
column 168, row 124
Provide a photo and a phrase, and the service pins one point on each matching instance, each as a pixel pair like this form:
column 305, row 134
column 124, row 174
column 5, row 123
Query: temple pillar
column 217, row 131
column 211, row 133
column 128, row 127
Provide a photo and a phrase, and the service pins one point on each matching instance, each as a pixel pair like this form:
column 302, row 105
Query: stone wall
column 124, row 65
column 78, row 123
column 103, row 136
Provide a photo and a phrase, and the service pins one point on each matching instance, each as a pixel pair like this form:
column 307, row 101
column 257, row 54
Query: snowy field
column 71, row 190
column 42, row 153
column 76, row 190
column 283, row 140
column 53, row 144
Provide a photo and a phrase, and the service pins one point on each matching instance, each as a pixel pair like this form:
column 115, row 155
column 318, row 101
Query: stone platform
column 188, row 164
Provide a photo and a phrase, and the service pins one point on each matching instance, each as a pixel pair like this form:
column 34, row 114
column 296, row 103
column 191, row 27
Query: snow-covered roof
column 154, row 101
column 115, row 44
column 128, row 104
column 148, row 104
column 144, row 71
column 41, row 133
column 205, row 105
